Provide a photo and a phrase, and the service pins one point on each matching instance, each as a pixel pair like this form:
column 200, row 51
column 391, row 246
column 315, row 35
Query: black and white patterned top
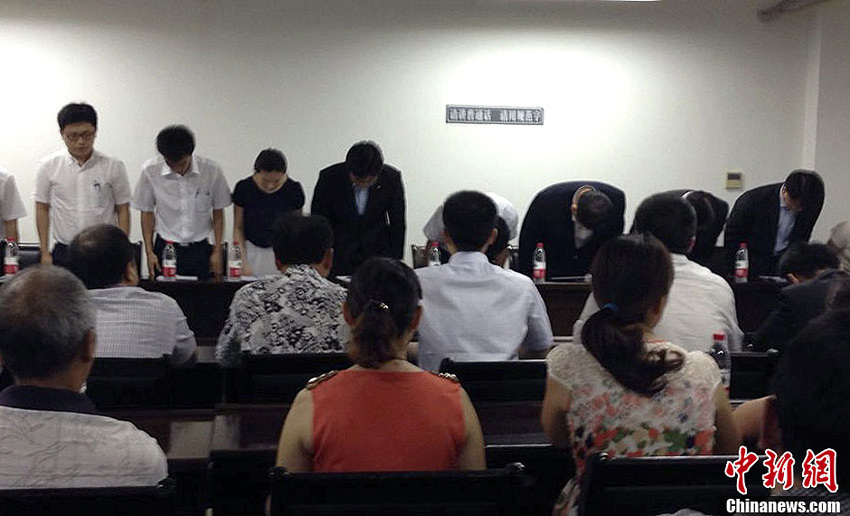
column 296, row 312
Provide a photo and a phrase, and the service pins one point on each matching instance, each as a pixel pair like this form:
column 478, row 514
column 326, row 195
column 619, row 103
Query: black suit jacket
column 549, row 220
column 796, row 306
column 706, row 238
column 378, row 232
column 754, row 220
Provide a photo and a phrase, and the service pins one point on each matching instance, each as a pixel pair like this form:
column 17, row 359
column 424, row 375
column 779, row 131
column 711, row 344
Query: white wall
column 647, row 96
column 833, row 129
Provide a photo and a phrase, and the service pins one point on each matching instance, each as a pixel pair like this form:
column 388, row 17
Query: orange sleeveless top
column 386, row 421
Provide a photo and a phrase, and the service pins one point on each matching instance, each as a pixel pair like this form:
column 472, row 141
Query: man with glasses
column 182, row 197
column 78, row 187
column 363, row 198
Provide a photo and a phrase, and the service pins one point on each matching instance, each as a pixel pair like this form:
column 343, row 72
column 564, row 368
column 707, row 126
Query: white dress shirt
column 182, row 204
column 11, row 205
column 135, row 323
column 433, row 229
column 784, row 225
column 700, row 304
column 48, row 449
column 80, row 195
column 473, row 310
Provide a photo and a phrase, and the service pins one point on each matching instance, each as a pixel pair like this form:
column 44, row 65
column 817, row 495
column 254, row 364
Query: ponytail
column 617, row 344
column 372, row 336
column 382, row 299
column 631, row 274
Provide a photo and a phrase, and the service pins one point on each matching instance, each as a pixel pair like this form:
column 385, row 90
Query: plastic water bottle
column 720, row 353
column 742, row 264
column 234, row 261
column 434, row 254
column 539, row 264
column 169, row 261
column 10, row 257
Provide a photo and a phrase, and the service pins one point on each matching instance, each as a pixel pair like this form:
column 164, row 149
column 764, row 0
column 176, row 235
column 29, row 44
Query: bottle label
column 741, row 270
column 539, row 273
column 726, row 379
column 169, row 268
column 10, row 266
column 235, row 268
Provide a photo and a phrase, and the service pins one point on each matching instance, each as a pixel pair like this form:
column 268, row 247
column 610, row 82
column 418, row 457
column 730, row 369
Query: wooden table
column 206, row 303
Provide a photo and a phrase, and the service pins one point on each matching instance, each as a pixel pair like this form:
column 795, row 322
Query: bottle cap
column 171, row 242
column 743, row 245
column 719, row 336
column 539, row 245
column 10, row 240
column 235, row 242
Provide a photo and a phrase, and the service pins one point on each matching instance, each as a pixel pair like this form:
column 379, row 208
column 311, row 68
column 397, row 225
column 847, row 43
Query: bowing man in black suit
column 772, row 217
column 711, row 217
column 572, row 220
column 364, row 200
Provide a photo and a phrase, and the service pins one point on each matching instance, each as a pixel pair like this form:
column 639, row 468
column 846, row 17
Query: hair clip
column 611, row 306
column 379, row 304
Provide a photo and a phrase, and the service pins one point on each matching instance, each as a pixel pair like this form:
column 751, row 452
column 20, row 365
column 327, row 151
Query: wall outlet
column 735, row 180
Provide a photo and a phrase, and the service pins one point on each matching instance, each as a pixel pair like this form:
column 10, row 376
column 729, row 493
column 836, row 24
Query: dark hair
column 270, row 160
column 365, row 159
column 301, row 239
column 501, row 242
column 45, row 314
column 76, row 113
column 99, row 255
column 703, row 207
column 593, row 208
column 668, row 218
column 812, row 385
column 630, row 275
column 806, row 259
column 382, row 298
column 469, row 218
column 175, row 141
column 805, row 186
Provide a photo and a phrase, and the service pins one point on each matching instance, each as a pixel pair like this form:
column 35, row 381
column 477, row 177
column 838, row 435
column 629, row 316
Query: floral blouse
column 606, row 417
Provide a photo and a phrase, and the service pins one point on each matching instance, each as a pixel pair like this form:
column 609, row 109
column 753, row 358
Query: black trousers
column 192, row 259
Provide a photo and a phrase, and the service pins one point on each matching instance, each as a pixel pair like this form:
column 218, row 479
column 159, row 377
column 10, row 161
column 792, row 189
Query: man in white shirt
column 700, row 303
column 50, row 435
column 11, row 206
column 505, row 210
column 131, row 322
column 182, row 197
column 472, row 309
column 78, row 187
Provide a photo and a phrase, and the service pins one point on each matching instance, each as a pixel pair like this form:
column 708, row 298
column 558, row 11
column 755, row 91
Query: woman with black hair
column 624, row 391
column 383, row 413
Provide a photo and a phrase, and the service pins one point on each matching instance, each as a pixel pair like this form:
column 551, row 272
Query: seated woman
column 624, row 391
column 383, row 413
column 257, row 201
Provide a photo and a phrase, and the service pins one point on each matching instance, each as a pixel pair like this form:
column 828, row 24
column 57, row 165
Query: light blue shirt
column 473, row 310
column 361, row 197
column 787, row 217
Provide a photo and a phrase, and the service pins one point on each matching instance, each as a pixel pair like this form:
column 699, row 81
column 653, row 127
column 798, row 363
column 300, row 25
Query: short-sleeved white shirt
column 80, row 196
column 182, row 204
column 504, row 208
column 11, row 205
